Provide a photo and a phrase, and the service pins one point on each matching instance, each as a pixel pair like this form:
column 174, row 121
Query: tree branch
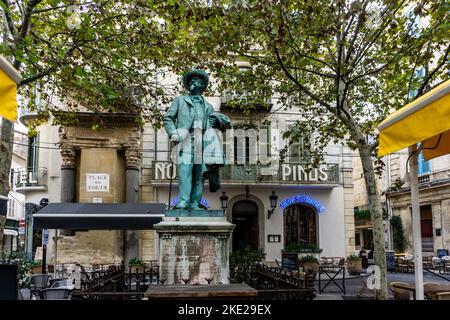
column 60, row 7
column 369, row 72
column 355, row 34
column 297, row 49
column 37, row 76
column 302, row 87
column 432, row 73
column 27, row 18
column 365, row 48
column 9, row 20
column 49, row 70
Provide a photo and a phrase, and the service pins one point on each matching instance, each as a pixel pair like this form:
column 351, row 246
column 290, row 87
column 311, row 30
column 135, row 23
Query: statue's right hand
column 174, row 138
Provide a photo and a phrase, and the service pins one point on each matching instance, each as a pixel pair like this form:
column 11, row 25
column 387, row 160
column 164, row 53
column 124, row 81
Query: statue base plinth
column 194, row 247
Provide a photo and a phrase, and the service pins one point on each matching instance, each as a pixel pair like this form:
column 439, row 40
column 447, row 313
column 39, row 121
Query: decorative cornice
column 87, row 119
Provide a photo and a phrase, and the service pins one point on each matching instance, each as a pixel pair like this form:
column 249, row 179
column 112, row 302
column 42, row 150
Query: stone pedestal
column 194, row 247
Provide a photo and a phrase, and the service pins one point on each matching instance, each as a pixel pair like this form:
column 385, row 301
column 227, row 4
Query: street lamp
column 224, row 200
column 273, row 204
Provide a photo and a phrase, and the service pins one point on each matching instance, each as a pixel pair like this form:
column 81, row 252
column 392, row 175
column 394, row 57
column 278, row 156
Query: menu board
column 390, row 260
column 289, row 261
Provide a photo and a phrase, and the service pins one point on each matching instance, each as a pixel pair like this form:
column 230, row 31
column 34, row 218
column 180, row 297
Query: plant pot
column 354, row 266
column 136, row 268
column 310, row 267
column 36, row 269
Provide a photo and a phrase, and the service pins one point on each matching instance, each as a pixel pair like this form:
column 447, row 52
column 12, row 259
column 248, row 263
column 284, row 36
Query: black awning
column 99, row 216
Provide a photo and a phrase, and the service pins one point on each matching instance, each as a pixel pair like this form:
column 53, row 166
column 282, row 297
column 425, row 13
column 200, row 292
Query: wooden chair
column 400, row 293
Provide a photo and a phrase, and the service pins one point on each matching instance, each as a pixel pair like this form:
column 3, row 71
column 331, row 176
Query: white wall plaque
column 97, row 182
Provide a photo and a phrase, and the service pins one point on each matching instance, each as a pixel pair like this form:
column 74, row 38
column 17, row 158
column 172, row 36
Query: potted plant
column 310, row 264
column 302, row 249
column 354, row 265
column 36, row 266
column 242, row 261
column 136, row 265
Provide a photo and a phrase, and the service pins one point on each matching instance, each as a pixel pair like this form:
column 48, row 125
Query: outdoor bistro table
column 203, row 291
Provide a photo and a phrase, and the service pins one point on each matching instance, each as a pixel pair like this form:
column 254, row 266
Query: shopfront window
column 300, row 225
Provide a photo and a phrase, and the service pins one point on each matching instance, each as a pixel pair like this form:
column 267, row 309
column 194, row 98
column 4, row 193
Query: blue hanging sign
column 302, row 199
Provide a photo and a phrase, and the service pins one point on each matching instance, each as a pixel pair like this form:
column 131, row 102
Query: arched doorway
column 245, row 217
column 300, row 225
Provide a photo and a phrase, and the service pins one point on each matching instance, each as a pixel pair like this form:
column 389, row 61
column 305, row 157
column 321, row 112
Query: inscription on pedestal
column 192, row 255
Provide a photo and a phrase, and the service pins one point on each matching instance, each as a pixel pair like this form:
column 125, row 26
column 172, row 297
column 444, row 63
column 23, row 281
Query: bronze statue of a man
column 192, row 125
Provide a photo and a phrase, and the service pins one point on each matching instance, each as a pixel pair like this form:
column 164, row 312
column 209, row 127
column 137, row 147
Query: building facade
column 314, row 205
column 314, row 209
column 434, row 197
column 394, row 188
column 13, row 232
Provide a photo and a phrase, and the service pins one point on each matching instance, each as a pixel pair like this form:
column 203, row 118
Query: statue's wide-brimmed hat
column 196, row 72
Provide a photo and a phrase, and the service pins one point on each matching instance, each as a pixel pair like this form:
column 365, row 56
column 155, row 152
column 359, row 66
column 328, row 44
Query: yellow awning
column 426, row 119
column 9, row 78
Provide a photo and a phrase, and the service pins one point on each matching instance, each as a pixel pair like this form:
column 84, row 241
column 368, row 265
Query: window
column 245, row 144
column 423, row 166
column 300, row 226
column 241, row 150
column 33, row 154
column 298, row 150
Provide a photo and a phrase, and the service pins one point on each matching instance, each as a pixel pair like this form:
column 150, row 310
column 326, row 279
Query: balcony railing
column 241, row 99
column 26, row 179
column 424, row 178
column 26, row 115
column 286, row 173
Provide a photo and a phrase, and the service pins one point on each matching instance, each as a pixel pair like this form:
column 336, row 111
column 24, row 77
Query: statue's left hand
column 212, row 121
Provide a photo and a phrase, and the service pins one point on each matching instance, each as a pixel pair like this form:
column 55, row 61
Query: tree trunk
column 6, row 149
column 374, row 205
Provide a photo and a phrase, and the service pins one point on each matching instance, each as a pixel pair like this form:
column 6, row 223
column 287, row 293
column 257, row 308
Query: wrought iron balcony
column 240, row 99
column 26, row 179
column 235, row 174
column 284, row 173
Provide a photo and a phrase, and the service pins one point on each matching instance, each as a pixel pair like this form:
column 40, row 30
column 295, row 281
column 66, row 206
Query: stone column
column 132, row 161
column 68, row 180
column 68, row 175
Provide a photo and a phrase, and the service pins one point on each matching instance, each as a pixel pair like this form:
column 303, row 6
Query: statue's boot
column 196, row 207
column 181, row 205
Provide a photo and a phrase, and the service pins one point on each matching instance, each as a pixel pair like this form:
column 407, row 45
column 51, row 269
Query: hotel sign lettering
column 291, row 172
column 97, row 182
column 285, row 173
